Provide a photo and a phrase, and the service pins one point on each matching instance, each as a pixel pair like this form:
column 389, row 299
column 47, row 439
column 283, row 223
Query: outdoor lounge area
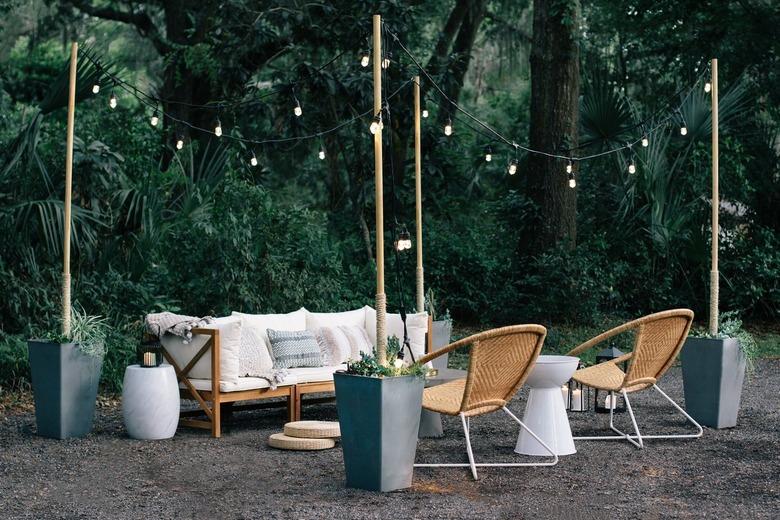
column 434, row 259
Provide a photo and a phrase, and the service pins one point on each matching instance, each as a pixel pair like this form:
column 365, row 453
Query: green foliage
column 369, row 366
column 730, row 326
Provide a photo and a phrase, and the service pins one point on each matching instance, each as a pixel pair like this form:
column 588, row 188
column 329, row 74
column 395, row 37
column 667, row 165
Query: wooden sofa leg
column 292, row 404
column 216, row 421
column 298, row 401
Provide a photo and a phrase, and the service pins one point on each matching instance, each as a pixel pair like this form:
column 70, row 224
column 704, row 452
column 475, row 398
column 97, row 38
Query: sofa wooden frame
column 211, row 402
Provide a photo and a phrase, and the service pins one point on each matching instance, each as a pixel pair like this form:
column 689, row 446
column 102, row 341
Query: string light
column 645, row 141
column 488, row 154
column 512, row 169
column 321, row 154
column 253, row 159
column 569, row 168
column 707, row 87
column 155, row 119
column 632, row 167
column 298, row 111
column 376, row 124
column 398, row 363
column 448, row 127
column 179, row 142
column 364, row 60
column 112, row 100
column 683, row 129
column 572, row 180
column 386, row 61
column 96, row 88
column 425, row 112
column 404, row 240
column 218, row 128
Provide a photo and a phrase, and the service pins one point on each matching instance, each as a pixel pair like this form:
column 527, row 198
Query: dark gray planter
column 713, row 372
column 379, row 419
column 65, row 384
column 441, row 331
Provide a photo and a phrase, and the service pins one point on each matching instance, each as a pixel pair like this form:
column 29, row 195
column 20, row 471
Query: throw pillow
column 296, row 348
column 339, row 344
column 253, row 356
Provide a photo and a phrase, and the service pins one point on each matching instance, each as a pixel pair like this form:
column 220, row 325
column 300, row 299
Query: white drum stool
column 545, row 412
column 150, row 402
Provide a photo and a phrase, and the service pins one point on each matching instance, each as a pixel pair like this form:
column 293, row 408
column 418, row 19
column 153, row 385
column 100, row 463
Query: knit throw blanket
column 273, row 376
column 176, row 324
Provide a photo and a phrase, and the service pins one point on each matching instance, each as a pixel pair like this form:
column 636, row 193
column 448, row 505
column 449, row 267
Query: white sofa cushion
column 315, row 320
column 253, row 357
column 294, row 376
column 416, row 326
column 315, row 374
column 229, row 347
column 260, row 323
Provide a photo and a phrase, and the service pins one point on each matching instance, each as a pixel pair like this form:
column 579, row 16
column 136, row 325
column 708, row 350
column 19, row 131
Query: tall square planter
column 379, row 419
column 441, row 331
column 713, row 372
column 65, row 383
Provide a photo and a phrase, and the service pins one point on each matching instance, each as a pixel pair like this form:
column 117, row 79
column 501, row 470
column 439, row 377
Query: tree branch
column 142, row 22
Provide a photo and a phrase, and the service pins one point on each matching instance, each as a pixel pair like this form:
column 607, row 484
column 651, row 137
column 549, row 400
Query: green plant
column 369, row 365
column 432, row 305
column 731, row 327
column 89, row 332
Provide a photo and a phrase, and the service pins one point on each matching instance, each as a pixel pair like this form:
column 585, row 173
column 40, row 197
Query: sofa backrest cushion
column 356, row 318
column 259, row 325
column 416, row 326
column 229, row 342
column 293, row 349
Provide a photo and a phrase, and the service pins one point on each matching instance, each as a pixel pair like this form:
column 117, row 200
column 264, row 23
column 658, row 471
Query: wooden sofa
column 213, row 402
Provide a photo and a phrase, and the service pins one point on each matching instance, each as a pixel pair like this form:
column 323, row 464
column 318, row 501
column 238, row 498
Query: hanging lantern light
column 488, row 154
column 96, row 88
column 218, row 128
column 150, row 352
column 645, row 141
column 512, row 168
column 376, row 124
column 448, row 127
column 365, row 59
column 112, row 101
column 569, row 167
column 155, row 118
column 386, row 61
column 297, row 110
column 425, row 112
column 179, row 142
column 708, row 87
column 321, row 153
column 253, row 159
column 404, row 240
column 572, row 180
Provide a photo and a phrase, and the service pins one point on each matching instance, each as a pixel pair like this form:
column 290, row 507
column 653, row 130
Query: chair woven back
column 659, row 338
column 501, row 360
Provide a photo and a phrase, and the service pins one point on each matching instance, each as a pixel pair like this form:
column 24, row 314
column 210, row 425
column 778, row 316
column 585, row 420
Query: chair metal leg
column 638, row 439
column 473, row 464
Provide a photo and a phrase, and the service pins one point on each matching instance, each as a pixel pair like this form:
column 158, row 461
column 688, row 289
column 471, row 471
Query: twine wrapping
column 381, row 334
column 714, row 290
column 420, row 291
column 66, row 304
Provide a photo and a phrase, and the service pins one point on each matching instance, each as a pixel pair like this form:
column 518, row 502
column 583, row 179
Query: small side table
column 430, row 422
column 545, row 412
column 150, row 402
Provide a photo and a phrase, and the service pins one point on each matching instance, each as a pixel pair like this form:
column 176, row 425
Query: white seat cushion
column 242, row 383
column 229, row 346
column 314, row 374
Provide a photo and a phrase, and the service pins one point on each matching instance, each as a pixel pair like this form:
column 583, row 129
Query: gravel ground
column 726, row 474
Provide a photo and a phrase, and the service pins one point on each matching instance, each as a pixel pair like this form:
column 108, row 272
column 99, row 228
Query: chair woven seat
column 604, row 376
column 448, row 399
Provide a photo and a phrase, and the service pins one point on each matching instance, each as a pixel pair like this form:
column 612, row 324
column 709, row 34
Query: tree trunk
column 555, row 88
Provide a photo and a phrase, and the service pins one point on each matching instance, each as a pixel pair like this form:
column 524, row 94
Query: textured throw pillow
column 338, row 344
column 253, row 356
column 296, row 348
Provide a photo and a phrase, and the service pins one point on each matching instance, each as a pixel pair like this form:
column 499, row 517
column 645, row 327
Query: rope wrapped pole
column 381, row 300
column 714, row 277
column 418, row 195
column 74, row 49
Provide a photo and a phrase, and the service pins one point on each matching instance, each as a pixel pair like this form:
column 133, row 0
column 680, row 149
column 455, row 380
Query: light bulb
column 179, row 143
column 645, row 141
column 425, row 113
column 398, row 363
column 572, row 182
column 683, row 130
column 569, row 167
column 112, row 101
column 488, row 157
column 512, row 167
column 218, row 129
column 448, row 128
column 376, row 124
column 364, row 60
column 253, row 160
column 386, row 63
column 321, row 155
column 95, row 88
column 298, row 111
column 154, row 120
column 707, row 87
column 632, row 168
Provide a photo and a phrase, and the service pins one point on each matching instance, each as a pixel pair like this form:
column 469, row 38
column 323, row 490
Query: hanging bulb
column 253, row 159
column 572, row 181
column 645, row 141
column 96, row 88
column 448, row 127
column 569, row 167
column 632, row 167
column 683, row 130
column 512, row 167
column 112, row 101
column 707, row 87
column 376, row 124
column 425, row 112
column 321, row 155
column 179, row 143
column 298, row 111
column 386, row 63
column 488, row 156
column 155, row 119
column 364, row 60
column 218, row 128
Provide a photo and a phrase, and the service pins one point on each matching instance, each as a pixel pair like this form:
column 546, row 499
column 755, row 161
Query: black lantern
column 603, row 401
column 150, row 352
column 404, row 240
column 576, row 396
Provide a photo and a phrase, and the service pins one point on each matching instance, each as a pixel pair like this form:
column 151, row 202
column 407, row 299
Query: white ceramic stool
column 545, row 412
column 150, row 402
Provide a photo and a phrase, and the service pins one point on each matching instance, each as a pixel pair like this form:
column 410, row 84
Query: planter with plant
column 65, row 374
column 379, row 414
column 714, row 369
column 441, row 329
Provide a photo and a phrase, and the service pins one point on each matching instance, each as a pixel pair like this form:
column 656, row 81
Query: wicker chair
column 658, row 340
column 500, row 361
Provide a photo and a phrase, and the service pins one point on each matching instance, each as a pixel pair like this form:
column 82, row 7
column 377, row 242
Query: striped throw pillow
column 294, row 348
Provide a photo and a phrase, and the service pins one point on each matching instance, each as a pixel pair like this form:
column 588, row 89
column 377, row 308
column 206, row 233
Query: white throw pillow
column 339, row 344
column 229, row 347
column 416, row 326
column 254, row 356
column 356, row 318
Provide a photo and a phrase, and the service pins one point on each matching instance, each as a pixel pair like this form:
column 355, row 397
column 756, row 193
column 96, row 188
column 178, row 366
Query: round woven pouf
column 313, row 429
column 285, row 442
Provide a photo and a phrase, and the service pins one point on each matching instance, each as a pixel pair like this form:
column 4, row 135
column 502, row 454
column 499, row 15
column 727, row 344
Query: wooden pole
column 74, row 49
column 714, row 277
column 418, row 195
column 381, row 299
